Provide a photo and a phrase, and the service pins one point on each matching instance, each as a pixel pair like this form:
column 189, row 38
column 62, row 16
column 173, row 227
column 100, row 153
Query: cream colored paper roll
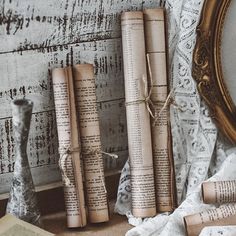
column 86, row 102
column 154, row 24
column 219, row 192
column 224, row 215
column 138, row 117
column 68, row 143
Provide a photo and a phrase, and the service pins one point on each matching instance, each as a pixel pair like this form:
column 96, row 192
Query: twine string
column 167, row 102
column 147, row 92
column 62, row 165
column 149, row 102
column 97, row 152
column 68, row 151
column 112, row 155
column 169, row 99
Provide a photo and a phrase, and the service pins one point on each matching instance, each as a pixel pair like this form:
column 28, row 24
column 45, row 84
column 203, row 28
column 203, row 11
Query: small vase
column 22, row 201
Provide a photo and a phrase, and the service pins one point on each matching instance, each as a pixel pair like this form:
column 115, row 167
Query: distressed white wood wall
column 38, row 35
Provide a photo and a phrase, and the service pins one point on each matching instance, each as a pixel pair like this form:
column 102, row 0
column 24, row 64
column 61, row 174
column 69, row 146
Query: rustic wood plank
column 31, row 24
column 56, row 196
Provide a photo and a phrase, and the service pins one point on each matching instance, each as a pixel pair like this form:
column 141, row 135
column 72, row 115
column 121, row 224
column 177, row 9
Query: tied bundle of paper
column 91, row 150
column 219, row 192
column 138, row 118
column 69, row 147
column 83, row 137
column 224, row 215
column 154, row 25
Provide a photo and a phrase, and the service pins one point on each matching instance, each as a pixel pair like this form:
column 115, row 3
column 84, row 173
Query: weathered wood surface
column 28, row 73
column 31, row 24
column 37, row 36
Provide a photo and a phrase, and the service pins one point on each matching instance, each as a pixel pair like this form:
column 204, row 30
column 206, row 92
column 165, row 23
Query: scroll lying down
column 138, row 118
column 69, row 147
column 154, row 26
column 219, row 192
column 85, row 93
column 224, row 215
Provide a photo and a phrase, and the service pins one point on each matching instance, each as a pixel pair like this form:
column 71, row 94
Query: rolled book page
column 224, row 215
column 75, row 144
column 137, row 112
column 219, row 192
column 154, row 26
column 69, row 157
column 96, row 194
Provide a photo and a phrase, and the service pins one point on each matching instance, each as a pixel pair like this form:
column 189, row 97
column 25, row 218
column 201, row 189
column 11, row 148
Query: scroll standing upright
column 85, row 91
column 161, row 140
column 138, row 118
column 69, row 157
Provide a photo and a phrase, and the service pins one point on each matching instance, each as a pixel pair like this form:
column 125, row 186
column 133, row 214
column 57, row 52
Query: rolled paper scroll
column 86, row 102
column 138, row 117
column 154, row 25
column 224, row 215
column 219, row 192
column 69, row 147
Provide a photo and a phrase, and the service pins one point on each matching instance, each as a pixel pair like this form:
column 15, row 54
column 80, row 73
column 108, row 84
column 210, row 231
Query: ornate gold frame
column 207, row 68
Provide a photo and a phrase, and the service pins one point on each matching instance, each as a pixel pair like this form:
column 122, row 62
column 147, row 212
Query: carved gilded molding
column 207, row 67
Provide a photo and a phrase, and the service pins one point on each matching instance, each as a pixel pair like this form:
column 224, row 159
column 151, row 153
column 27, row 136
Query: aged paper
column 219, row 192
column 87, row 111
column 138, row 119
column 218, row 231
column 224, row 215
column 154, row 26
column 193, row 204
column 71, row 172
column 75, row 147
column 10, row 225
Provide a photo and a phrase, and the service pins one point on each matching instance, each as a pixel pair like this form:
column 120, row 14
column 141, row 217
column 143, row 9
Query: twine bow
column 147, row 97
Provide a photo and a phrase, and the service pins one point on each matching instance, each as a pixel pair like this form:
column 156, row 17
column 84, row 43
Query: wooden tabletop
column 117, row 226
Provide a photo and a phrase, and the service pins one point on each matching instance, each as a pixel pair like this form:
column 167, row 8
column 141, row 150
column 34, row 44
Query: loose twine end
column 62, row 165
column 97, row 152
column 169, row 99
column 68, row 151
column 62, row 162
column 112, row 155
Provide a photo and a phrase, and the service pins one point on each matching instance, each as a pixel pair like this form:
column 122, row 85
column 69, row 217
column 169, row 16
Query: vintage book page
column 96, row 196
column 75, row 208
column 10, row 225
column 138, row 118
column 219, row 192
column 224, row 215
column 161, row 140
column 75, row 147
